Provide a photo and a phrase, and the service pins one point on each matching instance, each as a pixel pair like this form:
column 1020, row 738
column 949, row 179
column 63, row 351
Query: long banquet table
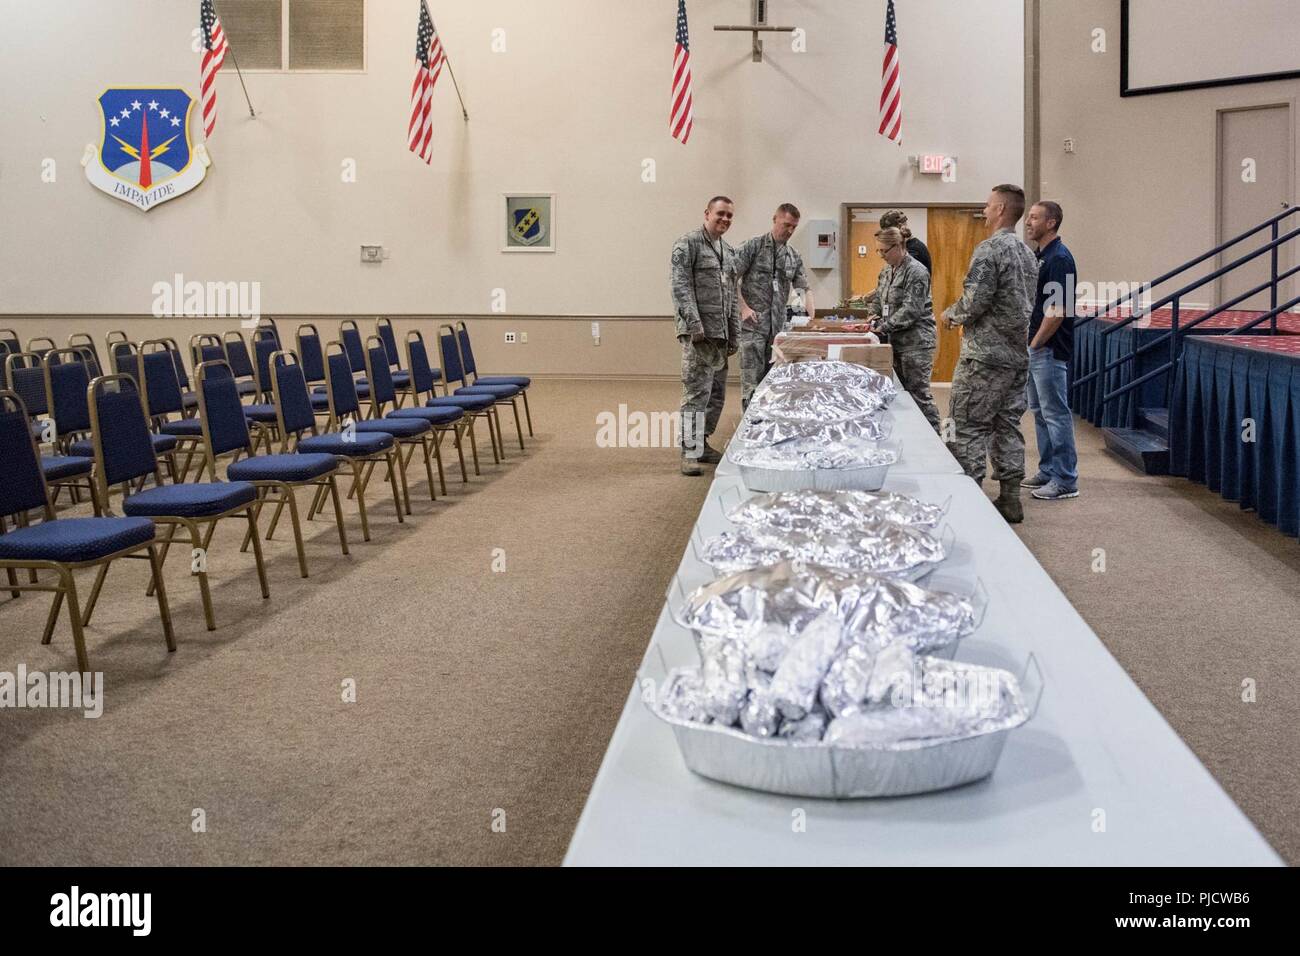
column 1096, row 777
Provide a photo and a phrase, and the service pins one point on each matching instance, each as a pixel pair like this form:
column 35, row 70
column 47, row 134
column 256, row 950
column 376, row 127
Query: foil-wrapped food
column 834, row 374
column 767, row 608
column 894, row 700
column 809, row 454
column 877, row 546
column 822, row 512
column 765, row 428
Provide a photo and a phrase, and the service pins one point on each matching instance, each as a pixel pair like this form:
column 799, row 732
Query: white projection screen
column 1185, row 44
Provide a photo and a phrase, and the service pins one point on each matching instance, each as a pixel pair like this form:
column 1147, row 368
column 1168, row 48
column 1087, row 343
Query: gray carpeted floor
column 488, row 696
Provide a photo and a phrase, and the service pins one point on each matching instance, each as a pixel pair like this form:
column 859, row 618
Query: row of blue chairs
column 118, row 429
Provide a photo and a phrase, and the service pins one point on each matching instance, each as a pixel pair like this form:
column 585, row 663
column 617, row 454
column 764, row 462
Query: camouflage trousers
column 988, row 402
column 755, row 359
column 914, row 368
column 704, row 390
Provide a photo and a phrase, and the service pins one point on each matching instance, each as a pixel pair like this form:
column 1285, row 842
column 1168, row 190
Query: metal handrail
column 1175, row 296
column 1164, row 369
column 1184, row 329
column 1290, row 210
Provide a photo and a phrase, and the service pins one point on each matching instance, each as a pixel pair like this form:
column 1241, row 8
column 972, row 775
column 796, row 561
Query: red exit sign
column 932, row 163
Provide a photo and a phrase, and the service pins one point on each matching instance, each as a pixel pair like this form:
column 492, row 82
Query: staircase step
column 1154, row 420
column 1144, row 450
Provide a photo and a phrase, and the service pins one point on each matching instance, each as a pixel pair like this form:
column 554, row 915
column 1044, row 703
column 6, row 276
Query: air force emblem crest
column 145, row 156
column 528, row 227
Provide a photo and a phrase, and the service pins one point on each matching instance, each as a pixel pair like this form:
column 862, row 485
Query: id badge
column 884, row 311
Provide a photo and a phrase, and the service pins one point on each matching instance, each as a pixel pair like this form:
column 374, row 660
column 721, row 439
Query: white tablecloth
column 1096, row 777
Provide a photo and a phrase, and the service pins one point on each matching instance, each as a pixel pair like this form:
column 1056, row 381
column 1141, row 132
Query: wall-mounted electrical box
column 820, row 241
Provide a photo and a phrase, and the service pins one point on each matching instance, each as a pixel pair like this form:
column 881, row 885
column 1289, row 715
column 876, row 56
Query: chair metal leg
column 437, row 453
column 13, row 580
column 48, row 635
column 160, row 592
column 395, row 470
column 473, row 443
column 167, row 544
column 286, row 491
column 456, row 431
column 74, row 612
column 196, row 541
column 518, row 430
column 317, row 503
column 338, row 513
column 94, row 593
column 257, row 552
column 492, row 434
column 528, row 413
column 428, row 466
column 275, row 518
column 361, row 500
column 262, row 495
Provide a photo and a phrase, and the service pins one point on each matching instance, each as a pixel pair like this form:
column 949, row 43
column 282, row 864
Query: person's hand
column 697, row 336
column 748, row 316
column 732, row 348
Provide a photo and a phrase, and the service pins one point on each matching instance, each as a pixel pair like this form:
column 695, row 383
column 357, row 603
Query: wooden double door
column 951, row 233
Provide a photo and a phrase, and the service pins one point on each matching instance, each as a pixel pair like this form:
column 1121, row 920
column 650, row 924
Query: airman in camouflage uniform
column 900, row 307
column 708, row 328
column 988, row 387
column 768, row 270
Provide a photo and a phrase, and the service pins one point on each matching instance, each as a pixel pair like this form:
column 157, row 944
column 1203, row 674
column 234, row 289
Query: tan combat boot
column 691, row 466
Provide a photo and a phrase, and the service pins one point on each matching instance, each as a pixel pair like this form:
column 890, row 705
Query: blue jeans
column 1048, row 399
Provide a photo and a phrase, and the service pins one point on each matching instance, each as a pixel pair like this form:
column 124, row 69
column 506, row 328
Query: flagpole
column 235, row 60
column 464, row 112
column 446, row 59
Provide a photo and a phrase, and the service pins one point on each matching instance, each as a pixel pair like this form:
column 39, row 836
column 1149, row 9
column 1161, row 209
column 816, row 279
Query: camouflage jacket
column 996, row 300
column 768, row 272
column 704, row 288
column 902, row 301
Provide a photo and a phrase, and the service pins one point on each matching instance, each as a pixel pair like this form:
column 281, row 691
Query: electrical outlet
column 595, row 333
column 372, row 253
column 510, row 338
column 1069, row 145
column 523, row 338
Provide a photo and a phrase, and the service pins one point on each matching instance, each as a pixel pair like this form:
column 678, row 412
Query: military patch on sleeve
column 679, row 255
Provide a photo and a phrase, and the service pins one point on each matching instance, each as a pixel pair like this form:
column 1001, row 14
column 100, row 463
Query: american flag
column 214, row 54
column 682, row 116
column 428, row 65
column 891, row 84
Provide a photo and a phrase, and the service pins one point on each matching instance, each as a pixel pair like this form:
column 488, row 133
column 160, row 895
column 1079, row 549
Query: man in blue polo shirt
column 1051, row 333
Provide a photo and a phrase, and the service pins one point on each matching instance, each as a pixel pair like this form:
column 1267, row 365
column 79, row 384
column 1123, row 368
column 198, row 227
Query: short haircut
column 1053, row 211
column 726, row 199
column 1014, row 197
column 789, row 208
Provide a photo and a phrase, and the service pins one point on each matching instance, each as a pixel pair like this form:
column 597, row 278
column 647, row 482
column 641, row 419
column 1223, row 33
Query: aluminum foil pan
column 808, row 465
column 766, row 609
column 761, row 428
column 892, row 767
column 876, row 546
column 831, row 373
column 821, row 512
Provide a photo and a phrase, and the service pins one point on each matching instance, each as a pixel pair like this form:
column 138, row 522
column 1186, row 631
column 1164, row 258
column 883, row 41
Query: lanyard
column 716, row 250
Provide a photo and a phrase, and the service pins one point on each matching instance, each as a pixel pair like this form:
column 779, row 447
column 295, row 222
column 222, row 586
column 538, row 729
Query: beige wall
column 574, row 106
column 1139, row 192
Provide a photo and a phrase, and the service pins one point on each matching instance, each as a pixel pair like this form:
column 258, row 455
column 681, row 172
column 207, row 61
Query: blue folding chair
column 64, row 545
column 438, row 421
column 162, row 397
column 41, row 344
column 83, row 343
column 350, row 336
column 9, row 342
column 125, row 454
column 296, row 418
column 241, row 364
column 311, row 356
column 401, row 377
column 424, row 380
column 67, row 376
column 345, row 413
column 225, row 431
column 121, row 356
column 471, row 369
column 453, row 370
